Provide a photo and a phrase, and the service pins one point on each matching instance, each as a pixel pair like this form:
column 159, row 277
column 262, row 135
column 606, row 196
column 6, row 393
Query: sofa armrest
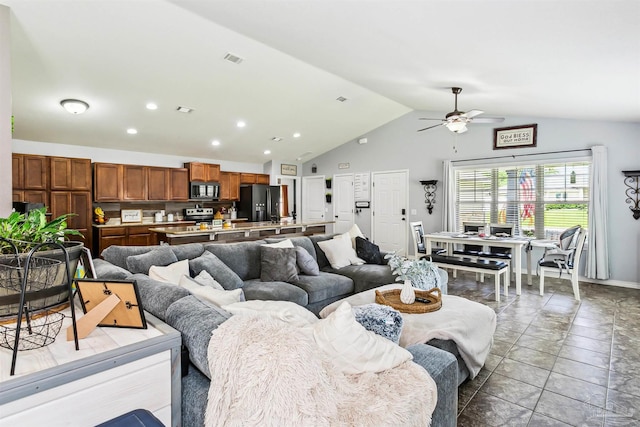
column 443, row 368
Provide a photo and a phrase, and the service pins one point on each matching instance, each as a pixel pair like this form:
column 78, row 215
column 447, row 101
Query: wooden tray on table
column 392, row 299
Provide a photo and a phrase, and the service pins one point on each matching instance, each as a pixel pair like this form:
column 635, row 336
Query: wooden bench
column 497, row 268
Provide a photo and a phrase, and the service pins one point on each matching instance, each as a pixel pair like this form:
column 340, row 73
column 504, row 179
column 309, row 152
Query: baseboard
column 611, row 282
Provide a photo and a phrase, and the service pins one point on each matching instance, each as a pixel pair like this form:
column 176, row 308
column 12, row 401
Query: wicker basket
column 392, row 299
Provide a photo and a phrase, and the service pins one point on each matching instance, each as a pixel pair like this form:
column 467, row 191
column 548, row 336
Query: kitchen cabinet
column 36, row 172
column 179, row 184
column 17, row 196
column 247, row 178
column 107, row 182
column 140, row 236
column 70, row 174
column 17, row 172
column 263, row 179
column 158, row 183
column 229, row 186
column 34, row 196
column 77, row 203
column 105, row 237
column 203, row 172
column 134, row 182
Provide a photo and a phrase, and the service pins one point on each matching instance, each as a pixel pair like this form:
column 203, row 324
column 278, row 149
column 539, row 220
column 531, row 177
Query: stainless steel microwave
column 204, row 190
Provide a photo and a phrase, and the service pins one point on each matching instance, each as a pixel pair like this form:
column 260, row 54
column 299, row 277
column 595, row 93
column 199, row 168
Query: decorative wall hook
column 632, row 180
column 429, row 193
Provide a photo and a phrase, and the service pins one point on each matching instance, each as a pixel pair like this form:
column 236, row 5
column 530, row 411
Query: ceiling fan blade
column 431, row 127
column 426, row 118
column 488, row 120
column 472, row 113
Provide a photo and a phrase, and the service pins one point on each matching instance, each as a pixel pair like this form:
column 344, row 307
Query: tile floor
column 556, row 361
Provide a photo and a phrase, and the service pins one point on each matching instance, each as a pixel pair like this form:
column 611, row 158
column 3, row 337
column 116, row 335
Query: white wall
column 397, row 145
column 5, row 113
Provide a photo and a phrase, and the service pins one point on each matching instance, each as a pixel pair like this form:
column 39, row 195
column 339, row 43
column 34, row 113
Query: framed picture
column 131, row 215
column 515, row 136
column 288, row 169
column 127, row 313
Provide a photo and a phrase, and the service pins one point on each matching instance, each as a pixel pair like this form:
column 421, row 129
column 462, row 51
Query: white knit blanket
column 469, row 324
column 265, row 372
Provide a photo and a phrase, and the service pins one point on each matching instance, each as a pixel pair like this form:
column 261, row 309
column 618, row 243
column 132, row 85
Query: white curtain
column 598, row 249
column 449, row 197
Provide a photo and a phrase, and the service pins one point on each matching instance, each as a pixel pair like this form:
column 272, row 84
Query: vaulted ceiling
column 567, row 59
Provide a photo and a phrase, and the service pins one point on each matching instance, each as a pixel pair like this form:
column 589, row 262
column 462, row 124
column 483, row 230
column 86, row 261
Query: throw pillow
column 306, row 263
column 352, row 348
column 336, row 252
column 353, row 233
column 286, row 311
column 286, row 243
column 205, row 279
column 350, row 244
column 368, row 251
column 209, row 294
column 171, row 273
column 278, row 264
column 217, row 269
column 381, row 319
column 162, row 256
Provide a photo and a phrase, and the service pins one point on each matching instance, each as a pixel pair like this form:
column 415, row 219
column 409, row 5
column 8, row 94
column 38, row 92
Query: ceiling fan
column 456, row 121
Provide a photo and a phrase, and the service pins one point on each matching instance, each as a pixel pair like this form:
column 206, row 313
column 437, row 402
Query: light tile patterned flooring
column 556, row 361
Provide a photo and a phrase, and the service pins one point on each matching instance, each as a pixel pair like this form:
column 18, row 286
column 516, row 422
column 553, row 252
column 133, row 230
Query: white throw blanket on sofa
column 469, row 324
column 265, row 372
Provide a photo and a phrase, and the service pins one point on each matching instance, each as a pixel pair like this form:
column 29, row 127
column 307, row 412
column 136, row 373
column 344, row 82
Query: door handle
column 336, row 216
column 403, row 219
column 404, row 212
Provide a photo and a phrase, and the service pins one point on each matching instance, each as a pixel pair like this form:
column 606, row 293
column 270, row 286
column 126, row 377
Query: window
column 541, row 200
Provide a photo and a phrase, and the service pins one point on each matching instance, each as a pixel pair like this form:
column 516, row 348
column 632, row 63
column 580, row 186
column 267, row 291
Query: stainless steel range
column 198, row 214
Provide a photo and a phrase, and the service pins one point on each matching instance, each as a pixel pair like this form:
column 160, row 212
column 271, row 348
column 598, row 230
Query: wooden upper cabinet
column 81, row 174
column 17, row 171
column 60, row 173
column 262, row 178
column 224, row 185
column 158, row 182
column 234, row 186
column 36, row 172
column 203, row 172
column 179, row 184
column 134, row 184
column 247, row 178
column 107, row 182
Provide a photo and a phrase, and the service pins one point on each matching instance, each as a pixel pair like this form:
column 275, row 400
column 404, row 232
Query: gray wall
column 5, row 113
column 397, row 145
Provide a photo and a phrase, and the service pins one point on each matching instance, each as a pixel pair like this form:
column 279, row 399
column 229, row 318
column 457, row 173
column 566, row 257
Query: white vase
column 407, row 295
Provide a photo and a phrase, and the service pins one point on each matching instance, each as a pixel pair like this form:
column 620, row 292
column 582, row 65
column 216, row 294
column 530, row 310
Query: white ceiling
column 568, row 59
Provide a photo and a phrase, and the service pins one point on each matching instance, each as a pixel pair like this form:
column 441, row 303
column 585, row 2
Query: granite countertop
column 236, row 227
column 134, row 224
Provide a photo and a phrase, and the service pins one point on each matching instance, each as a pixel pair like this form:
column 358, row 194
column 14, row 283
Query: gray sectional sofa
column 196, row 319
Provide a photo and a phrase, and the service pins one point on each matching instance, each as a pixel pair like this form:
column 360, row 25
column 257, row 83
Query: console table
column 115, row 371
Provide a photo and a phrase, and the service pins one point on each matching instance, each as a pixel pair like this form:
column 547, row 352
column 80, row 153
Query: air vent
column 233, row 58
column 184, row 109
column 276, row 139
column 341, row 99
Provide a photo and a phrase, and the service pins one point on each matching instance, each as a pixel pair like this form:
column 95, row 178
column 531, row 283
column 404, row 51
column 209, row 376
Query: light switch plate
column 414, row 212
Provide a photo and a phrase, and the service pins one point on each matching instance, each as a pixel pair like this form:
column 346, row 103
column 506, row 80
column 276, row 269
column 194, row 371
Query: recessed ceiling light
column 276, row 139
column 132, row 131
column 184, row 109
column 267, row 152
column 152, row 106
column 215, row 142
column 296, row 135
column 74, row 106
column 241, row 124
column 341, row 99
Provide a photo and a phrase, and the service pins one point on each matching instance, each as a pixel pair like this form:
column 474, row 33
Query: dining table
column 516, row 244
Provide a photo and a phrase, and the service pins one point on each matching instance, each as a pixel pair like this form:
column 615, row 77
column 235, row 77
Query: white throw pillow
column 337, row 253
column 286, row 311
column 205, row 279
column 207, row 293
column 353, row 256
column 287, row 243
column 353, row 233
column 171, row 273
column 352, row 348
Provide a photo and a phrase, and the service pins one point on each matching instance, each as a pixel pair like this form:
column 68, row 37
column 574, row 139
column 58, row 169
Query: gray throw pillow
column 217, row 269
column 381, row 319
column 162, row 256
column 306, row 263
column 278, row 264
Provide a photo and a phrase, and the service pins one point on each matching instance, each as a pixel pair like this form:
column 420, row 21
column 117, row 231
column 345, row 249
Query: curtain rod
column 513, row 156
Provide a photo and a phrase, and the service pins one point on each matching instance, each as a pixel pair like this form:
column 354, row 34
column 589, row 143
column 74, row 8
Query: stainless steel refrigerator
column 259, row 202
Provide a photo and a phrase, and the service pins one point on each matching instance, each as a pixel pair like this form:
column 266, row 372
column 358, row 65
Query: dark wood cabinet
column 107, row 182
column 17, row 196
column 158, row 183
column 247, row 178
column 36, row 171
column 140, row 236
column 229, row 186
column 35, row 196
column 133, row 235
column 179, row 184
column 77, row 203
column 203, row 172
column 134, row 182
column 70, row 174
column 263, row 179
column 17, row 172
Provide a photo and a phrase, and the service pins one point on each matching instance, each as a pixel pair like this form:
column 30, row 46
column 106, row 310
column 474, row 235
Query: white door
column 389, row 210
column 313, row 198
column 343, row 204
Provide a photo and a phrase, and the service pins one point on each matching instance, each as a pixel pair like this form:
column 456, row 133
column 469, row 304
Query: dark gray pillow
column 367, row 251
column 161, row 256
column 217, row 269
column 306, row 263
column 278, row 264
column 381, row 319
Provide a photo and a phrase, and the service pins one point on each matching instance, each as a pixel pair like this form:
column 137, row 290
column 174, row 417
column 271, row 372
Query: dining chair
column 471, row 250
column 564, row 259
column 417, row 231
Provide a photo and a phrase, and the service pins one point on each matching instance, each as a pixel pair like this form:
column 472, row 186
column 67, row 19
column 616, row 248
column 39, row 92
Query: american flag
column 527, row 193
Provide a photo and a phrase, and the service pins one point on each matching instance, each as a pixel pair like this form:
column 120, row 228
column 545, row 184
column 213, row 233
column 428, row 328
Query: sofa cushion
column 284, row 243
column 157, row 296
column 117, row 255
column 324, row 285
column 106, row 270
column 217, row 269
column 366, row 276
column 209, row 294
column 279, row 291
column 171, row 273
column 196, row 320
column 278, row 264
column 241, row 257
column 187, row 250
column 368, row 251
column 286, row 311
column 160, row 256
column 306, row 263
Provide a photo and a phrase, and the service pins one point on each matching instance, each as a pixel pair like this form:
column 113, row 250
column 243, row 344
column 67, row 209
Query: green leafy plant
column 27, row 231
column 422, row 273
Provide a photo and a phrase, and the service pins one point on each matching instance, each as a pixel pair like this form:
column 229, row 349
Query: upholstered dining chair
column 564, row 259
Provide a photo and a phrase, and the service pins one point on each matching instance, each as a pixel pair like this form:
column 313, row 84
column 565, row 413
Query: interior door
column 313, row 198
column 343, row 203
column 389, row 210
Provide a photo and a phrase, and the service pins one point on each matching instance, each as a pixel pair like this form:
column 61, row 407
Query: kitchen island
column 238, row 231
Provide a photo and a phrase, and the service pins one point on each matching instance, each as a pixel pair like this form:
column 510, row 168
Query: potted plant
column 328, row 183
column 328, row 197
